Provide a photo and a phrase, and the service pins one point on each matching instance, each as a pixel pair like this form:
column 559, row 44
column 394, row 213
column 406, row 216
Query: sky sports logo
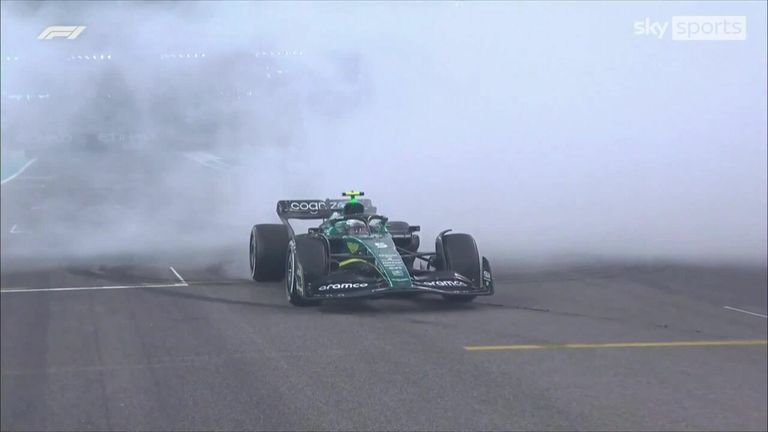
column 695, row 28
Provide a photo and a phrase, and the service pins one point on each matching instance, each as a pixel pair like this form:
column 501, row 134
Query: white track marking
column 183, row 283
column 14, row 230
column 178, row 276
column 745, row 311
column 94, row 288
column 16, row 174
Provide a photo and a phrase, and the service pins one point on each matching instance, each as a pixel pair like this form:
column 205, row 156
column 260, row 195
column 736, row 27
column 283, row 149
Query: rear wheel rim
column 253, row 254
column 290, row 283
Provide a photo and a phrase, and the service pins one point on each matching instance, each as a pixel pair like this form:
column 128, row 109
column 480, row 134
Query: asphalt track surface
column 182, row 340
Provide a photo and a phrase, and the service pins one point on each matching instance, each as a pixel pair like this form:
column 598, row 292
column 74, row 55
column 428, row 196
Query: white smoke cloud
column 546, row 130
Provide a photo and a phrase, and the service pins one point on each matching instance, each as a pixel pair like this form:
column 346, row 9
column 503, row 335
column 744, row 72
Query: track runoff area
column 623, row 347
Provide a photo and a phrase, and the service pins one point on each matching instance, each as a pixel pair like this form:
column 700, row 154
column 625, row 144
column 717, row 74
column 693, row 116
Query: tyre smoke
column 549, row 131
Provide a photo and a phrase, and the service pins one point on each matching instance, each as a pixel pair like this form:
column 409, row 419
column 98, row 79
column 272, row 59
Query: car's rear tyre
column 313, row 256
column 398, row 228
column 268, row 249
column 404, row 239
column 458, row 252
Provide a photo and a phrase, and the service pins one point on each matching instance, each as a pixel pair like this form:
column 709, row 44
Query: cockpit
column 352, row 227
column 360, row 227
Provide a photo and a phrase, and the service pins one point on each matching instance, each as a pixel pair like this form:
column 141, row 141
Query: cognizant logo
column 315, row 206
column 310, row 206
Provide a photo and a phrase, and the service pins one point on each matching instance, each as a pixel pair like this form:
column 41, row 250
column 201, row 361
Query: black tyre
column 398, row 228
column 404, row 239
column 312, row 254
column 458, row 252
column 268, row 249
column 410, row 245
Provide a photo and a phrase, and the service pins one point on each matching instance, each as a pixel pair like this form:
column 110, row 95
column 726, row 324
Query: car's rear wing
column 316, row 209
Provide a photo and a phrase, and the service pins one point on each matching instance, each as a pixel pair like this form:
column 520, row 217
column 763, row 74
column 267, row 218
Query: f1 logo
column 69, row 32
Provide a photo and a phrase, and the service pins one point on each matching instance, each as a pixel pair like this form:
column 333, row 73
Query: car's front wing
column 350, row 285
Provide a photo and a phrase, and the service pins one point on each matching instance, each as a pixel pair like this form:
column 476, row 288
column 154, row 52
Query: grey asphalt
column 221, row 352
column 229, row 354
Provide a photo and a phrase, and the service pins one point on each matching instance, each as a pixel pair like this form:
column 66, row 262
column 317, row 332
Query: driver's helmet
column 354, row 207
column 356, row 227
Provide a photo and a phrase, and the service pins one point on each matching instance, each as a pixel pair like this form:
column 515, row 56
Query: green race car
column 355, row 252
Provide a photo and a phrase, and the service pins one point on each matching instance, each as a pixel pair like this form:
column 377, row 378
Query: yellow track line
column 745, row 342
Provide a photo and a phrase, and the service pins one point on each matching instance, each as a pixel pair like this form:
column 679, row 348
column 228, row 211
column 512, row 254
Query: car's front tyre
column 458, row 252
column 292, row 281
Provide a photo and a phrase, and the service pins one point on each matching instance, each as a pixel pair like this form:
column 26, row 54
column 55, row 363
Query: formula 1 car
column 355, row 252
